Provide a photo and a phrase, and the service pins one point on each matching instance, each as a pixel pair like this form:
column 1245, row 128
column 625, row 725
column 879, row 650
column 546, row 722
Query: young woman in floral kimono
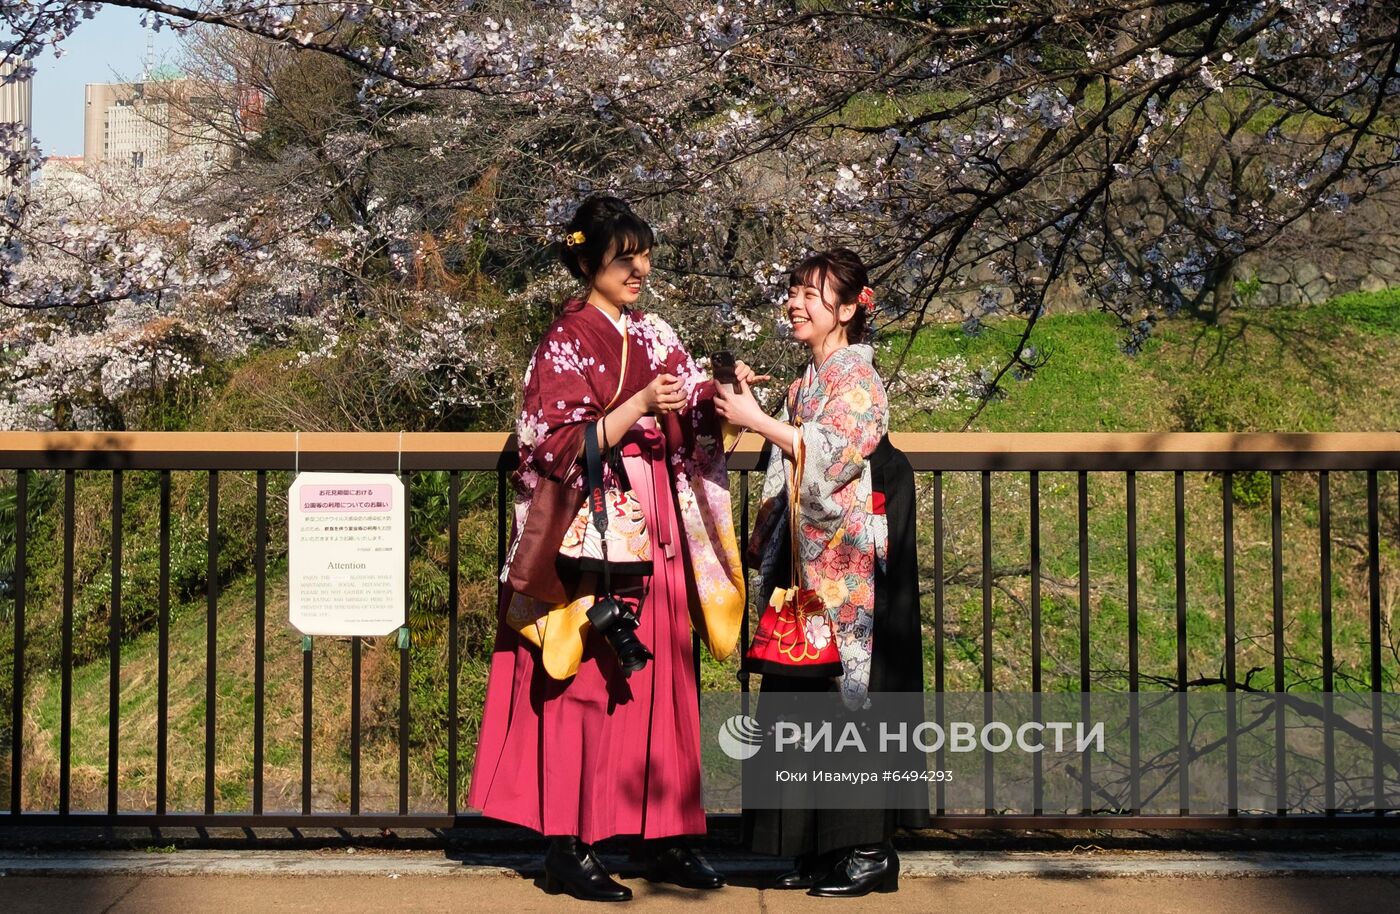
column 571, row 745
column 856, row 551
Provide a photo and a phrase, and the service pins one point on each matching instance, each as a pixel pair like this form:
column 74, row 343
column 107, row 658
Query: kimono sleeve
column 676, row 359
column 838, row 440
column 697, row 428
column 560, row 400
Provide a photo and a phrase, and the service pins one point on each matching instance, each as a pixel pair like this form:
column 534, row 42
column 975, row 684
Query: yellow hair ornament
column 573, row 239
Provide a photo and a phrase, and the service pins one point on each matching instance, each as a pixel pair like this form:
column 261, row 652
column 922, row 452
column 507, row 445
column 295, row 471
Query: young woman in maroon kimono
column 571, row 745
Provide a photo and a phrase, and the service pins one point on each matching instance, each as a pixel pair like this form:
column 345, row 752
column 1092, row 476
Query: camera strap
column 597, row 495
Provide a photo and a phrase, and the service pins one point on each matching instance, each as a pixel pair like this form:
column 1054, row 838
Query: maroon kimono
column 569, row 745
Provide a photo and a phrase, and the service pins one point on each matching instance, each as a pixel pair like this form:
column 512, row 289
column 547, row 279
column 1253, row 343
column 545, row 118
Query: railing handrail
column 494, row 453
column 954, row 451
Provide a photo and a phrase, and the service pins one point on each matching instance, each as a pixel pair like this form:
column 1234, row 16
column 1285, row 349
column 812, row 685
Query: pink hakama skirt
column 603, row 754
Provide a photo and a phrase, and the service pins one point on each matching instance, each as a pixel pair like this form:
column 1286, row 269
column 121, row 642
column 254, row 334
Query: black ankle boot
column 571, row 867
column 871, row 868
column 668, row 860
column 806, row 869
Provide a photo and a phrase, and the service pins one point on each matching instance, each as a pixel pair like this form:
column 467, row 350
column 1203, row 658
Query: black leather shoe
column 872, row 868
column 806, row 869
column 794, row 878
column 677, row 864
column 571, row 867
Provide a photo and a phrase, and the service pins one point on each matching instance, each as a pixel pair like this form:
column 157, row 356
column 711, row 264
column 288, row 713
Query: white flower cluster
column 951, row 385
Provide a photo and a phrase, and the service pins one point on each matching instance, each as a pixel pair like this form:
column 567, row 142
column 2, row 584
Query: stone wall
column 1325, row 255
column 1316, row 258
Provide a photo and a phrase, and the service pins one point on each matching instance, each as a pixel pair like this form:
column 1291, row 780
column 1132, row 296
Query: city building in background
column 16, row 125
column 139, row 124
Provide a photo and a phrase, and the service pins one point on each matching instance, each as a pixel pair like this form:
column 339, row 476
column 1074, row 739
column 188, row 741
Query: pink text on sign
column 345, row 499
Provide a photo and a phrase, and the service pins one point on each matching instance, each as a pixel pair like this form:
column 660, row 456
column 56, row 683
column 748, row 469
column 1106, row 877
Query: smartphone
column 723, row 366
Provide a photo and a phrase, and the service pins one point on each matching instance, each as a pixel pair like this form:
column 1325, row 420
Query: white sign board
column 345, row 553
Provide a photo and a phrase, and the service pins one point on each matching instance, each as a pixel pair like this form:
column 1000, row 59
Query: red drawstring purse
column 794, row 636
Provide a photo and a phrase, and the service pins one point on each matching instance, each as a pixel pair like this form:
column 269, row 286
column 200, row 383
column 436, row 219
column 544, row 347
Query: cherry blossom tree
column 983, row 157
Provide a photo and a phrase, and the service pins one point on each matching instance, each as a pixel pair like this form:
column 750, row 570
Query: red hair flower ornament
column 867, row 299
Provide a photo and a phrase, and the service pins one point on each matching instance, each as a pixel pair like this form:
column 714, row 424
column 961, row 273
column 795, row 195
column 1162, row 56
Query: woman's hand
column 739, row 407
column 664, row 394
column 747, row 376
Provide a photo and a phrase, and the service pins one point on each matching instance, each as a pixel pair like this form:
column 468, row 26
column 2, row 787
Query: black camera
column 618, row 623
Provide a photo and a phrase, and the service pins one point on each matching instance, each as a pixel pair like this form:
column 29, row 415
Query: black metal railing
column 989, row 459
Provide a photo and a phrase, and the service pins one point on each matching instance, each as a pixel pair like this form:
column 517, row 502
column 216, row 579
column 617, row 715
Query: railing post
column 211, row 646
column 260, row 636
column 1134, row 705
column 21, row 642
column 1183, row 740
column 65, row 739
column 1037, row 648
column 1231, row 741
column 1280, row 685
column 114, row 650
column 454, row 493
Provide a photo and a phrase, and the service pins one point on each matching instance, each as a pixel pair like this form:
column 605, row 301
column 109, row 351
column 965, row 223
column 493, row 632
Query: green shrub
column 1251, row 487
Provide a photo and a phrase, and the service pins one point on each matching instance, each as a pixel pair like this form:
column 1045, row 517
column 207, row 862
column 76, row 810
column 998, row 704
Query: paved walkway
column 341, row 882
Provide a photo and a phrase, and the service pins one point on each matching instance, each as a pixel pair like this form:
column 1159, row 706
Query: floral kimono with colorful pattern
column 573, row 377
column 841, row 413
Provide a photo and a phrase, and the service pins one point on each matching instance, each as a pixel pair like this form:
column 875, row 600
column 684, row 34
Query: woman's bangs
column 810, row 272
column 633, row 236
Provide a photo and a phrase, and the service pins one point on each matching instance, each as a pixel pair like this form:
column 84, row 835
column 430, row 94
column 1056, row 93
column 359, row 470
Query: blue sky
column 110, row 47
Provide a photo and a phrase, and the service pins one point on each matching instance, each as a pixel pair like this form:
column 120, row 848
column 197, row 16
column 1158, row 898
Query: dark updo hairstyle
column 841, row 271
column 603, row 220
